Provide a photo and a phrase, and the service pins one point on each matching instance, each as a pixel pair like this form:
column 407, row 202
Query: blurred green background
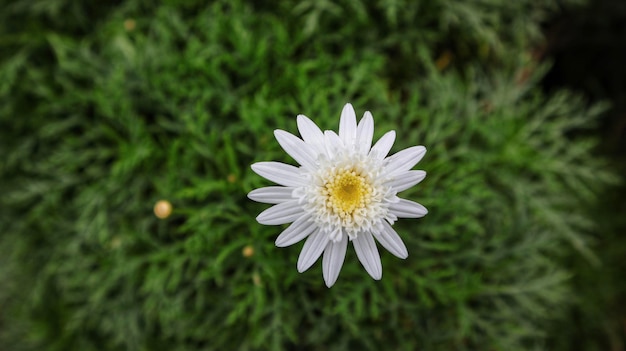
column 107, row 108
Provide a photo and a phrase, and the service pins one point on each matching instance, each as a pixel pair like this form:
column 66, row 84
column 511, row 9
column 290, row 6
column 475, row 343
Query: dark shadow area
column 588, row 49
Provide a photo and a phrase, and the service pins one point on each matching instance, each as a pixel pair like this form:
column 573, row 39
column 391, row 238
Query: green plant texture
column 107, row 109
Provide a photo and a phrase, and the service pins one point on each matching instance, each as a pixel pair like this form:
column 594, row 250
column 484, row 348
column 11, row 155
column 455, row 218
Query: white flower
column 344, row 190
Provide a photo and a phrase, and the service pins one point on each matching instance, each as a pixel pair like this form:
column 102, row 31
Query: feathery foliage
column 109, row 108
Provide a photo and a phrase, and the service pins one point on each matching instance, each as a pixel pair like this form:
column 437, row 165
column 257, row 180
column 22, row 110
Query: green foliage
column 102, row 117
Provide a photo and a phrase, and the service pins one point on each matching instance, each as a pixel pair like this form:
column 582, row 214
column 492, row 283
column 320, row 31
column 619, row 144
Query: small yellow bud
column 247, row 251
column 129, row 24
column 163, row 209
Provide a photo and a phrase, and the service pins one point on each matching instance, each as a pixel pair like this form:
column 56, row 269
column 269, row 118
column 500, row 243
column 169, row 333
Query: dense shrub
column 108, row 109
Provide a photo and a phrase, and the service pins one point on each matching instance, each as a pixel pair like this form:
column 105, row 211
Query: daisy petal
column 333, row 142
column 332, row 261
column 309, row 131
column 279, row 173
column 383, row 145
column 405, row 159
column 367, row 253
column 271, row 194
column 391, row 241
column 347, row 125
column 365, row 133
column 282, row 213
column 408, row 209
column 312, row 249
column 406, row 180
column 297, row 231
column 296, row 148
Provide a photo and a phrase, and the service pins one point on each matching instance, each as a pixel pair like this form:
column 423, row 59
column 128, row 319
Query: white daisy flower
column 344, row 190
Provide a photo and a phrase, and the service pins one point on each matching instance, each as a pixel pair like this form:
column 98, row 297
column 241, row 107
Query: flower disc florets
column 347, row 192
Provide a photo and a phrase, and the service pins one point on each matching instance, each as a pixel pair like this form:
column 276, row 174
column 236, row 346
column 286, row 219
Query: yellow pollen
column 347, row 191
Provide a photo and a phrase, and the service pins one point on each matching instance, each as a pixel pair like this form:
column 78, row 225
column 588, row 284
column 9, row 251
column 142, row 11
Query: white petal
column 408, row 209
column 367, row 253
column 309, row 131
column 282, row 213
column 406, row 180
column 279, row 173
column 365, row 133
column 271, row 194
column 297, row 231
column 312, row 249
column 334, row 255
column 383, row 145
column 302, row 152
column 335, row 235
column 347, row 125
column 333, row 142
column 404, row 160
column 391, row 241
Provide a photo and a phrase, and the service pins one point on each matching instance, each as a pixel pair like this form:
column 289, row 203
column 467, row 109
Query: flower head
column 344, row 190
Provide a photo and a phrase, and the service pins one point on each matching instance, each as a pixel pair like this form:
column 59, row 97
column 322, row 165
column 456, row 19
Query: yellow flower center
column 347, row 191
